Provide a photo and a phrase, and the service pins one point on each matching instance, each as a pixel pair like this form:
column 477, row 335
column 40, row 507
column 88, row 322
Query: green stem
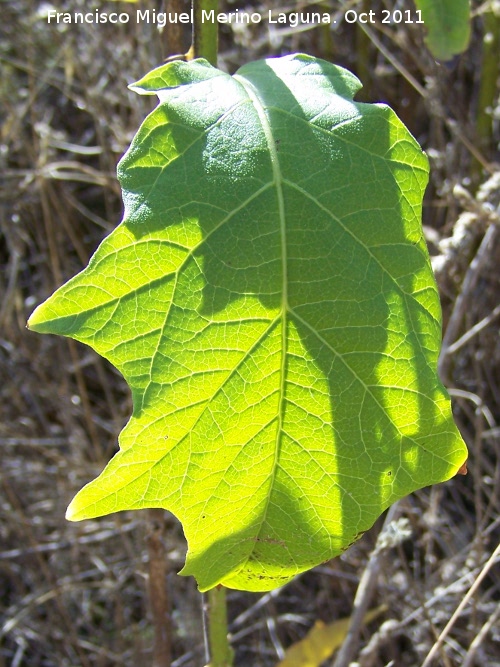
column 205, row 34
column 486, row 94
column 205, row 45
column 489, row 75
column 221, row 654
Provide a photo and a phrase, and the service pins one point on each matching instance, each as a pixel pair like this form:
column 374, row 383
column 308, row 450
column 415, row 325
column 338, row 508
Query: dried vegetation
column 76, row 594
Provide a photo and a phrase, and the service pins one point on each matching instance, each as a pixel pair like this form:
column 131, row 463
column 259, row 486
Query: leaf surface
column 269, row 299
column 448, row 26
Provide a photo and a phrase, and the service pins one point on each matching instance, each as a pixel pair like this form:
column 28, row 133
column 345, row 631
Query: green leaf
column 448, row 26
column 269, row 299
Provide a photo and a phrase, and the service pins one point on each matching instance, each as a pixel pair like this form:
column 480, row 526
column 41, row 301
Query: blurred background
column 76, row 594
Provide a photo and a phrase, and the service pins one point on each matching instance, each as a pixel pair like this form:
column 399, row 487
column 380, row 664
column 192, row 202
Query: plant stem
column 489, row 74
column 205, row 35
column 205, row 45
column 221, row 654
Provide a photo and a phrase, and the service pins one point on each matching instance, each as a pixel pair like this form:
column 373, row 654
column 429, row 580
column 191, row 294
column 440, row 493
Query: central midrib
column 253, row 94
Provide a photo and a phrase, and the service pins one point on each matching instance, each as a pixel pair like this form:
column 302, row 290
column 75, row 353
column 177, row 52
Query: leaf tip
column 70, row 513
column 74, row 512
column 35, row 319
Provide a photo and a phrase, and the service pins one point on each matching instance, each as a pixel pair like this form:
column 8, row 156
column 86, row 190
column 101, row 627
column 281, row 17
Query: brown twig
column 157, row 589
column 363, row 597
column 173, row 42
column 437, row 646
column 463, row 299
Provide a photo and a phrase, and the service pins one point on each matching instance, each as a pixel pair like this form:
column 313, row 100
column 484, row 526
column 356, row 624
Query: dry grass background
column 75, row 594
